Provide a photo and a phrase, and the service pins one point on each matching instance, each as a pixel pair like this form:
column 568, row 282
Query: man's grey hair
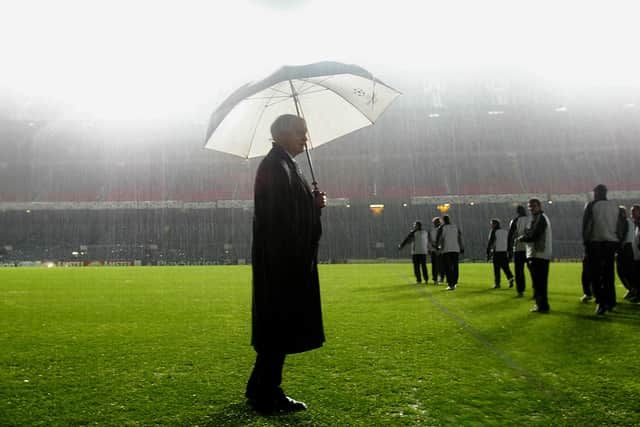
column 283, row 124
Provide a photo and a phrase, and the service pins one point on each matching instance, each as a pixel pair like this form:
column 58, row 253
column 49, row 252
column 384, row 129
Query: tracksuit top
column 498, row 240
column 631, row 232
column 419, row 242
column 449, row 238
column 419, row 245
column 538, row 237
column 516, row 230
column 600, row 221
column 433, row 236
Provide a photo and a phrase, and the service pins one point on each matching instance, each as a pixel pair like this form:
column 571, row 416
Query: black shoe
column 288, row 404
column 279, row 403
column 536, row 309
column 586, row 298
column 601, row 309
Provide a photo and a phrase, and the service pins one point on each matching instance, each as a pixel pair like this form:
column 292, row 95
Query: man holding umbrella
column 286, row 309
column 335, row 99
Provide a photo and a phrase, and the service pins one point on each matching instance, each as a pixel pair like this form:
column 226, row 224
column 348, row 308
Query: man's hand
column 320, row 198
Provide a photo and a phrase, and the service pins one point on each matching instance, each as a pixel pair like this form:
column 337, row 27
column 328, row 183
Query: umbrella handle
column 313, row 175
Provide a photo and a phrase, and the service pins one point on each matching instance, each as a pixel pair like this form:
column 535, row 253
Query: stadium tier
column 482, row 148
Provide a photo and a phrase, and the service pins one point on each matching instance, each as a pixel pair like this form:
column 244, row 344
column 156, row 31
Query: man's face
column 534, row 208
column 635, row 214
column 295, row 139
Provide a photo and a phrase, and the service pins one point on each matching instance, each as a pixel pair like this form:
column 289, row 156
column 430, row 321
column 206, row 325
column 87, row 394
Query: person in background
column 437, row 271
column 449, row 243
column 419, row 242
column 635, row 216
column 497, row 249
column 286, row 311
column 518, row 248
column 602, row 230
column 537, row 237
column 624, row 255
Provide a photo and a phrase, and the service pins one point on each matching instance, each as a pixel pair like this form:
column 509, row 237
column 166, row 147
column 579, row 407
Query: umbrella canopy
column 334, row 99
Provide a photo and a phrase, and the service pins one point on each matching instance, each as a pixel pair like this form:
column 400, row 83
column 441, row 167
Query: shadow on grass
column 487, row 290
column 402, row 287
column 620, row 314
column 240, row 414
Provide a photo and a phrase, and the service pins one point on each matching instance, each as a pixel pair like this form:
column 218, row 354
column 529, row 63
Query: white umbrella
column 334, row 99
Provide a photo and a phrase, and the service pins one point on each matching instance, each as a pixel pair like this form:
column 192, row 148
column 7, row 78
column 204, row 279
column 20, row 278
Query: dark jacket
column 538, row 237
column 286, row 310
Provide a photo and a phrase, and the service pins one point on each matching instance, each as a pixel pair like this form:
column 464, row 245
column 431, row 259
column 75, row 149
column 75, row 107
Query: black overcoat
column 286, row 310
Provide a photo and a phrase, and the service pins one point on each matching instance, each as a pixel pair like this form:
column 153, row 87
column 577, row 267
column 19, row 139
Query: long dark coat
column 286, row 310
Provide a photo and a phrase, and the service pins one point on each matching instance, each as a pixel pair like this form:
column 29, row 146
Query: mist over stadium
column 133, row 290
column 102, row 131
column 80, row 188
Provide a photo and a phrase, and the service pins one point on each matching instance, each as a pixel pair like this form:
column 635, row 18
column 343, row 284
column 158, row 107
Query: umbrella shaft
column 313, row 176
column 294, row 95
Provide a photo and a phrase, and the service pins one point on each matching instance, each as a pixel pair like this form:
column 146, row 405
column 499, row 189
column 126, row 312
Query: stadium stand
column 152, row 193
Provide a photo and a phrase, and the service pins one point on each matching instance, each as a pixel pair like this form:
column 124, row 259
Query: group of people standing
column 528, row 241
column 443, row 242
column 610, row 238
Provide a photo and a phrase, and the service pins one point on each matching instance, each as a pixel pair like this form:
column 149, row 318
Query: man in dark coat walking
column 286, row 310
column 602, row 231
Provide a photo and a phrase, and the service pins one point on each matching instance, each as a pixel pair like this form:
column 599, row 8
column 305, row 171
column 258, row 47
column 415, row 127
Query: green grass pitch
column 170, row 346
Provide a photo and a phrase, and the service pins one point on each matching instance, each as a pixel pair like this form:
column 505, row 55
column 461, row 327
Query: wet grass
column 169, row 346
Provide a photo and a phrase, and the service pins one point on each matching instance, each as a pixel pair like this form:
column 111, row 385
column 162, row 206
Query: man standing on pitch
column 286, row 310
column 635, row 215
column 517, row 247
column 497, row 249
column 601, row 233
column 437, row 271
column 418, row 238
column 537, row 237
column 450, row 245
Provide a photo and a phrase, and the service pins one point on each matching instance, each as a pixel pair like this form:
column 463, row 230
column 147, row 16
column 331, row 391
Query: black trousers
column 635, row 279
column 437, row 270
column 420, row 263
column 539, row 270
column 450, row 263
column 266, row 377
column 586, row 278
column 501, row 262
column 601, row 259
column 519, row 260
column 624, row 265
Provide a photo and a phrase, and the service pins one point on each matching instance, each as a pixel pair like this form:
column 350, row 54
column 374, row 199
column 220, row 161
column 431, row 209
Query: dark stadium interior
column 67, row 182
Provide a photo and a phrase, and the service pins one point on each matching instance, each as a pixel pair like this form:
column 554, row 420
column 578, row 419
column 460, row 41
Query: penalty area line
column 534, row 379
